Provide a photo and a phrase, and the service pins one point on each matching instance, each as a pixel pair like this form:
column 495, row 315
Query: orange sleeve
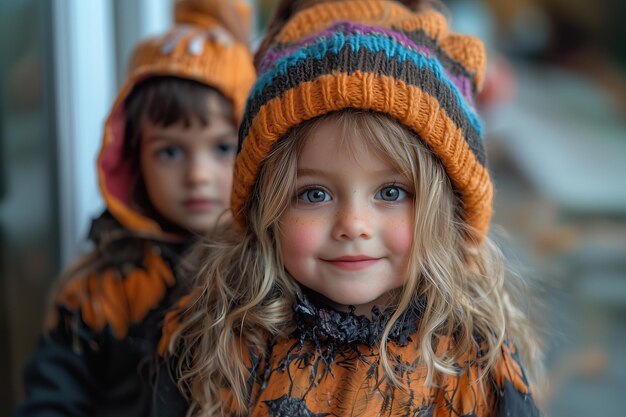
column 514, row 394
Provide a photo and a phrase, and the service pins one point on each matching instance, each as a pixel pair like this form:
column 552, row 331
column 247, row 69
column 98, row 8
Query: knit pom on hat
column 375, row 55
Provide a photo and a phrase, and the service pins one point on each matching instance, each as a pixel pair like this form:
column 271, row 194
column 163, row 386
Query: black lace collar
column 324, row 325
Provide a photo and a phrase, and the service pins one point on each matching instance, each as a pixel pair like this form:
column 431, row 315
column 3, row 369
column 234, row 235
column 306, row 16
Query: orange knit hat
column 207, row 44
column 380, row 56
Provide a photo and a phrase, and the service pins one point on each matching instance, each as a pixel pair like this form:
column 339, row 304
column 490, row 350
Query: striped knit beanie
column 380, row 56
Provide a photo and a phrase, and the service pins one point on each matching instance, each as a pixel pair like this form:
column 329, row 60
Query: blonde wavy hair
column 247, row 296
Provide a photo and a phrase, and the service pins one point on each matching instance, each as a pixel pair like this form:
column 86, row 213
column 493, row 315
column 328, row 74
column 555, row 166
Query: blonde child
column 358, row 278
column 165, row 173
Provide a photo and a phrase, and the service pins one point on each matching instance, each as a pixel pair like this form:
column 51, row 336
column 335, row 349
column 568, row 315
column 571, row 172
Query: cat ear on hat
column 243, row 12
column 469, row 52
column 233, row 15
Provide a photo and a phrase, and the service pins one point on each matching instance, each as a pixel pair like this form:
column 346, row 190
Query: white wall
column 89, row 49
column 83, row 58
column 136, row 20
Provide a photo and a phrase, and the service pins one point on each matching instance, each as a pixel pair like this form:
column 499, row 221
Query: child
column 165, row 172
column 358, row 279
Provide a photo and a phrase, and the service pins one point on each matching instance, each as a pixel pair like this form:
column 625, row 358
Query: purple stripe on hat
column 347, row 28
column 465, row 86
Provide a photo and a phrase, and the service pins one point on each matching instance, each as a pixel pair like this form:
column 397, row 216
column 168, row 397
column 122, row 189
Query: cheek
column 154, row 175
column 399, row 237
column 149, row 166
column 299, row 237
column 226, row 177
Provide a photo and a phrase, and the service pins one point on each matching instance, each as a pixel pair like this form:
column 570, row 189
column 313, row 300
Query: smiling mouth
column 353, row 263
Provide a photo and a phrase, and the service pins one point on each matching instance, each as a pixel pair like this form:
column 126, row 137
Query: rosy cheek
column 299, row 238
column 399, row 237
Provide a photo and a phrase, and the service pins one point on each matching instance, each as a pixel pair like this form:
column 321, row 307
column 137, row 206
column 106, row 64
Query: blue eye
column 225, row 149
column 314, row 195
column 391, row 193
column 170, row 153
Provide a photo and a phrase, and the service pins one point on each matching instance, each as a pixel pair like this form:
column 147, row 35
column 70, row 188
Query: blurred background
column 554, row 104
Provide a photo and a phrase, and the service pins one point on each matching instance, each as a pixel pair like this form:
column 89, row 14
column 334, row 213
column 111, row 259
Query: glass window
column 29, row 256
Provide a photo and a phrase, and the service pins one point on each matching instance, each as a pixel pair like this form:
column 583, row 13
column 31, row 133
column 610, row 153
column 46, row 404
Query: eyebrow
column 176, row 138
column 310, row 172
column 231, row 135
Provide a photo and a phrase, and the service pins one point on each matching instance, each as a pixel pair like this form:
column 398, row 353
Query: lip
column 200, row 204
column 353, row 263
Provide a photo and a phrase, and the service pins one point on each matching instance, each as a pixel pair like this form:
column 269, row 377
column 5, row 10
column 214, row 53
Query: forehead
column 360, row 138
column 333, row 144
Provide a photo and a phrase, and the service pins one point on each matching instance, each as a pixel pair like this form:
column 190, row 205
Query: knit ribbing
column 366, row 53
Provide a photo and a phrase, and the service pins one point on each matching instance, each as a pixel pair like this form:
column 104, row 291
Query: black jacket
column 97, row 358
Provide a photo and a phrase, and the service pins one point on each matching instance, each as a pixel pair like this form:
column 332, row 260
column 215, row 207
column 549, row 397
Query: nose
column 353, row 220
column 200, row 170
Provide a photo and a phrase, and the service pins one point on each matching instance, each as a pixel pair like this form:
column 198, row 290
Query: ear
column 243, row 11
column 469, row 52
column 233, row 15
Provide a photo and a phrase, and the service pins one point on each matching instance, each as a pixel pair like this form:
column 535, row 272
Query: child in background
column 358, row 279
column 165, row 172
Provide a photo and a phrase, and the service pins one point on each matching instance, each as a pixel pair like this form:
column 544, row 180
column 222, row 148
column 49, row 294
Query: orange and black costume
column 98, row 353
column 330, row 366
column 95, row 359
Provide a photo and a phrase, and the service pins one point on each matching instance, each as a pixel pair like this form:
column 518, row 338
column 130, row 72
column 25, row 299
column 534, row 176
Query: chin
column 203, row 226
column 203, row 230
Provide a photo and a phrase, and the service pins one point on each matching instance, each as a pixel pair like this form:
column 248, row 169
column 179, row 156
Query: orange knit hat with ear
column 207, row 44
column 380, row 56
